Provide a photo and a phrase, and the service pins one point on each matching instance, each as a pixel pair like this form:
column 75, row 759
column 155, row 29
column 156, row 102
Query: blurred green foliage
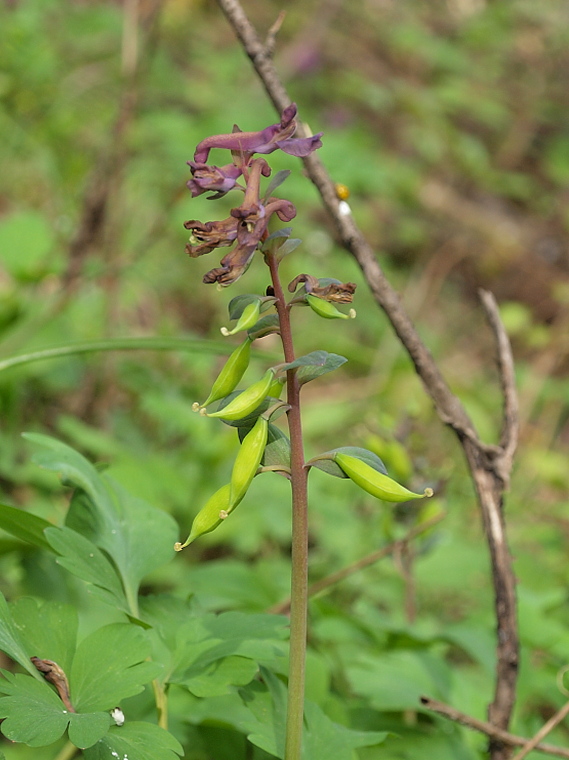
column 449, row 123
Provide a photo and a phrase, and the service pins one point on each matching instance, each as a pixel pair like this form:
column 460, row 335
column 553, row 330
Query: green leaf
column 49, row 629
column 12, row 643
column 218, row 677
column 265, row 326
column 138, row 537
column 275, row 182
column 315, row 364
column 136, row 741
column 35, row 715
column 85, row 729
column 267, row 730
column 324, row 739
column 109, row 666
column 287, row 247
column 24, row 525
column 82, row 558
column 208, row 638
column 277, row 450
column 326, row 463
column 395, row 681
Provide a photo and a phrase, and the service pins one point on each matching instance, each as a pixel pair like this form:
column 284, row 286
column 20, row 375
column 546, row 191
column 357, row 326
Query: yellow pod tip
column 428, row 492
column 178, row 546
column 224, row 331
column 196, row 406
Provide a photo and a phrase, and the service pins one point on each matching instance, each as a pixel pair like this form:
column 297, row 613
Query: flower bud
column 209, row 516
column 247, row 401
column 248, row 460
column 376, row 483
column 326, row 309
column 248, row 318
column 230, row 375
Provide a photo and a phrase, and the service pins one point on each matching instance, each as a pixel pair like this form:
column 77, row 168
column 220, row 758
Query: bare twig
column 331, row 580
column 489, row 465
column 543, row 731
column 499, row 735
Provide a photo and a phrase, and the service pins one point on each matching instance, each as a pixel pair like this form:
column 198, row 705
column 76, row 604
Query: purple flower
column 220, row 179
column 265, row 141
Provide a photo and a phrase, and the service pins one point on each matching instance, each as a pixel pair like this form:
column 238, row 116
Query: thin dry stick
column 489, row 466
column 330, row 580
column 497, row 734
column 543, row 731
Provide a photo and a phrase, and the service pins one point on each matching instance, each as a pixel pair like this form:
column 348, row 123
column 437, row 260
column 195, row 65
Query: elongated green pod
column 276, row 387
column 230, row 375
column 326, row 309
column 248, row 460
column 376, row 483
column 247, row 401
column 248, row 318
column 209, row 517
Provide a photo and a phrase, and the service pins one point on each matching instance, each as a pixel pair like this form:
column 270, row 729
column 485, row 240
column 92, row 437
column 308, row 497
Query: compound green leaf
column 82, row 558
column 34, row 714
column 137, row 536
column 136, row 741
column 109, row 666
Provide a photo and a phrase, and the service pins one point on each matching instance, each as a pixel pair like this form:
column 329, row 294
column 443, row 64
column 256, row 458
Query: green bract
column 209, row 517
column 376, row 483
column 326, row 309
column 230, row 375
column 248, row 400
column 248, row 461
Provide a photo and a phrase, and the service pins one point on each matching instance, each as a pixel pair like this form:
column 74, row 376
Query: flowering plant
column 264, row 446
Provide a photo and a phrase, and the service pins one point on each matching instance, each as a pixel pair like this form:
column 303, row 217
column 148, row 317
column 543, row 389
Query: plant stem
column 67, row 752
column 299, row 551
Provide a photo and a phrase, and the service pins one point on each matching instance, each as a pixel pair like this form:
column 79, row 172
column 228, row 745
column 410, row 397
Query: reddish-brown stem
column 299, row 550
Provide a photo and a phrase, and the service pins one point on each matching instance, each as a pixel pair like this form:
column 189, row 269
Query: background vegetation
column 449, row 123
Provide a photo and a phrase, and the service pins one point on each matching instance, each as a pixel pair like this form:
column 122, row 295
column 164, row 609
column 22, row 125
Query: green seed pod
column 209, row 517
column 248, row 400
column 376, row 483
column 230, row 375
column 276, row 387
column 326, row 309
column 248, row 318
column 248, row 461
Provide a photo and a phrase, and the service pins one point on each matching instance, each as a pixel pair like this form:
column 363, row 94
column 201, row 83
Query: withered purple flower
column 209, row 236
column 251, row 220
column 266, row 141
column 325, row 288
column 220, row 179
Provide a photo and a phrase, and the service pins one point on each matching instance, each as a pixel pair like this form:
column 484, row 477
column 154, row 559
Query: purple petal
column 301, row 146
